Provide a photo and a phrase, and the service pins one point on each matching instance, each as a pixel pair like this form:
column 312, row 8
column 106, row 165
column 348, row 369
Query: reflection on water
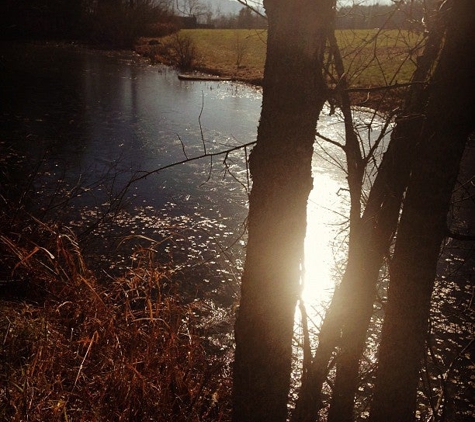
column 88, row 121
column 320, row 243
column 105, row 117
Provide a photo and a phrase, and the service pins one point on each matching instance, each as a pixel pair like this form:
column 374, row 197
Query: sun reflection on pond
column 324, row 223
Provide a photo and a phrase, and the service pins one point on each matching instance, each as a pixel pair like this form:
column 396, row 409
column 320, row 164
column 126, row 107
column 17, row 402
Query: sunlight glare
column 323, row 223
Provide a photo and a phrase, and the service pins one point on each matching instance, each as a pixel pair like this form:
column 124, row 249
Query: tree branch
column 385, row 87
column 331, row 141
column 460, row 236
column 188, row 160
column 252, row 8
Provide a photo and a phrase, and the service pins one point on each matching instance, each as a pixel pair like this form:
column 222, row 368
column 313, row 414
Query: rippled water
column 88, row 122
column 97, row 119
column 94, row 120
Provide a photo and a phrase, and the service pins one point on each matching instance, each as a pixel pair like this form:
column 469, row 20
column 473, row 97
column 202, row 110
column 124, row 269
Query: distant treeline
column 110, row 22
column 245, row 19
column 407, row 14
column 403, row 15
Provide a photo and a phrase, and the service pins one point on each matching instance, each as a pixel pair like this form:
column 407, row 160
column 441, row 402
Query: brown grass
column 74, row 349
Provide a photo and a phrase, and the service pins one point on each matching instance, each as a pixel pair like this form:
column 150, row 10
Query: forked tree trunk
column 294, row 92
column 449, row 119
column 348, row 317
column 349, row 314
column 374, row 234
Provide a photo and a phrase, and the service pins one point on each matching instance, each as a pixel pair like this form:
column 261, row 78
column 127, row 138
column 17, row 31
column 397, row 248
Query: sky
column 223, row 4
column 363, row 2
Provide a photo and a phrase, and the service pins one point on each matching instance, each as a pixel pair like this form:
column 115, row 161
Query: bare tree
column 191, row 8
column 448, row 121
column 345, row 327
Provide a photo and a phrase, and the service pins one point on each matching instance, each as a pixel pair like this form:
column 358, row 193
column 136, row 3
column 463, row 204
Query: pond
column 88, row 123
column 93, row 120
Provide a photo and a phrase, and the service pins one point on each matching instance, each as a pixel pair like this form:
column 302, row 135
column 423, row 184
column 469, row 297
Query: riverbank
column 78, row 349
column 133, row 339
column 374, row 59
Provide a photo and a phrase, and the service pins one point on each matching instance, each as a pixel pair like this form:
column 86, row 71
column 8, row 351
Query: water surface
column 97, row 119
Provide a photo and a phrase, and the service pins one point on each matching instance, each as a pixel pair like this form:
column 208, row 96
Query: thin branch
column 252, row 8
column 182, row 146
column 188, row 160
column 385, row 87
column 199, row 121
column 330, row 158
column 384, row 132
column 227, row 169
column 210, row 172
column 203, row 138
column 331, row 141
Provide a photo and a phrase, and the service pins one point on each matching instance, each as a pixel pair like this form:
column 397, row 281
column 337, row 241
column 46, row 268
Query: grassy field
column 375, row 57
column 237, row 53
column 372, row 57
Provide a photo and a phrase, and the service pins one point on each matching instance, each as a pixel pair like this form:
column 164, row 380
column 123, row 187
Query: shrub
column 157, row 30
column 183, row 49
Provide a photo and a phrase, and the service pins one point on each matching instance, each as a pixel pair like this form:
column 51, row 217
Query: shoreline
column 382, row 101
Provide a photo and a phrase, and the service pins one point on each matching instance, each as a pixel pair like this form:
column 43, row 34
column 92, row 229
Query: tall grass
column 76, row 349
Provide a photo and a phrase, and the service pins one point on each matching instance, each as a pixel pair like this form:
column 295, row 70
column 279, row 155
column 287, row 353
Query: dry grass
column 239, row 54
column 219, row 52
column 379, row 57
column 372, row 57
column 79, row 350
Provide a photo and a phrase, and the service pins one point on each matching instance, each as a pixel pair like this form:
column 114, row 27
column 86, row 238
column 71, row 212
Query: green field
column 372, row 57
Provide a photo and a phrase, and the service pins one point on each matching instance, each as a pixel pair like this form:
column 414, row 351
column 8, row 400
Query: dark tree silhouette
column 294, row 92
column 449, row 119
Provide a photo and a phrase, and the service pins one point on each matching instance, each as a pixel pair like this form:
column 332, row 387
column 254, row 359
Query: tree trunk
column 375, row 232
column 349, row 314
column 449, row 119
column 294, row 92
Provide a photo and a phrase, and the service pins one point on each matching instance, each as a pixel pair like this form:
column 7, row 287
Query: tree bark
column 347, row 320
column 294, row 92
column 448, row 121
column 348, row 317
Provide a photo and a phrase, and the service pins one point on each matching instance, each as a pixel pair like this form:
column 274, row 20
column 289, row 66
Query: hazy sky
column 359, row 1
column 365, row 2
column 341, row 2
